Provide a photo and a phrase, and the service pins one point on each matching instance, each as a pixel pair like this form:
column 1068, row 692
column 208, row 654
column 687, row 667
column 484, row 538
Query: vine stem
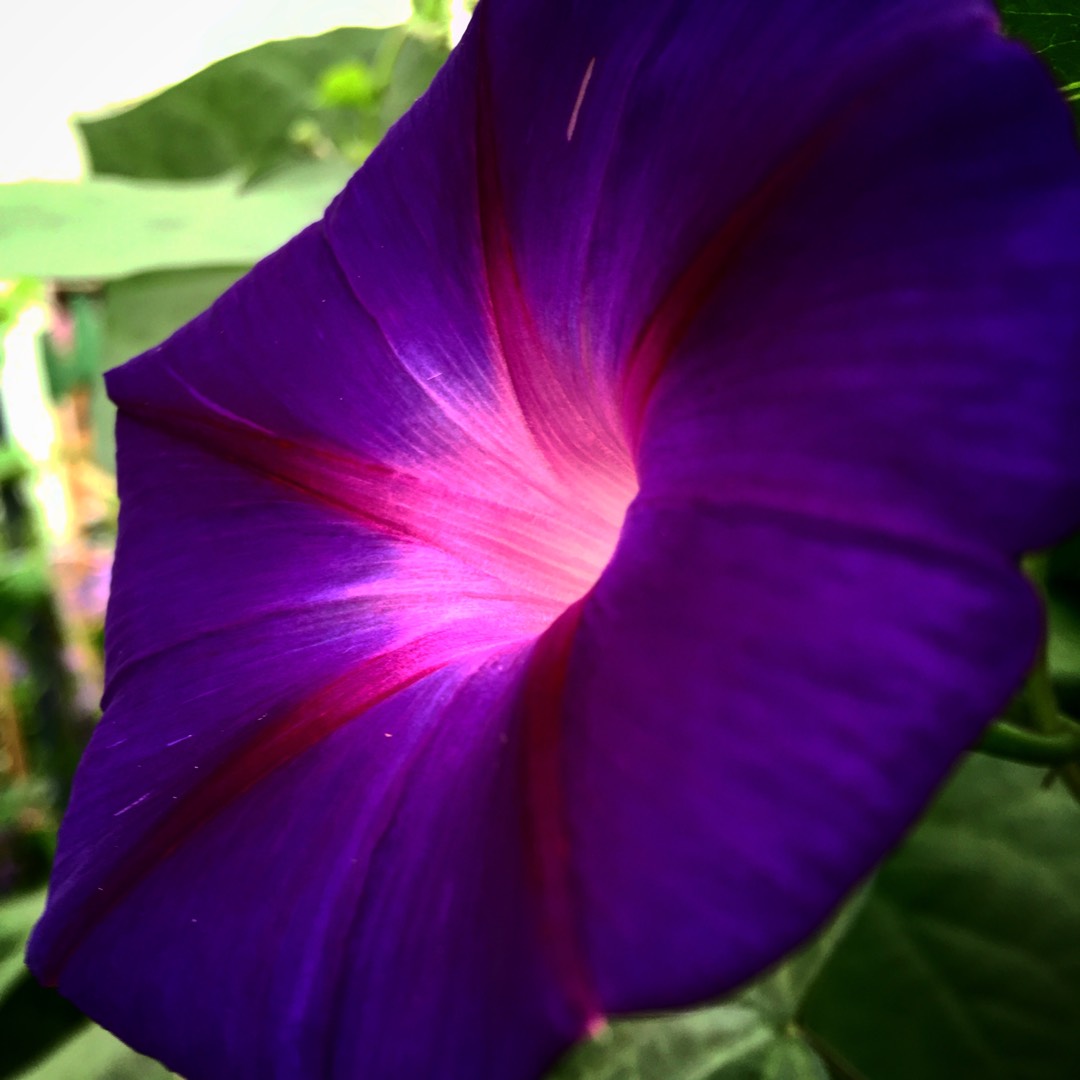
column 1053, row 739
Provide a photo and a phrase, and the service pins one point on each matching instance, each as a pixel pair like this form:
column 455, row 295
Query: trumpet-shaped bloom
column 549, row 583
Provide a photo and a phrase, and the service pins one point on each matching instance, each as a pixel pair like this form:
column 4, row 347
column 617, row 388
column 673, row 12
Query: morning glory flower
column 547, row 585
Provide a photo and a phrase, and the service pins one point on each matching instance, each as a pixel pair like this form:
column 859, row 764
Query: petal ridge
column 443, row 404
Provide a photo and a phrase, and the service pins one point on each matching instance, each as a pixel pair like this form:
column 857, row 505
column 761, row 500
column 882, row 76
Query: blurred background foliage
column 961, row 959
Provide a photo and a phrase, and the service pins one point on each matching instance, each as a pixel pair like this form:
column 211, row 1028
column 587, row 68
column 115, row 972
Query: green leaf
column 351, row 84
column 965, row 960
column 742, row 1038
column 1053, row 31
column 14, row 297
column 234, row 116
column 93, row 1054
column 143, row 310
column 793, row 1059
column 435, row 12
column 24, row 583
column 108, row 228
column 17, row 917
column 14, row 464
column 415, row 65
column 279, row 103
column 729, row 1041
column 1063, row 644
column 780, row 996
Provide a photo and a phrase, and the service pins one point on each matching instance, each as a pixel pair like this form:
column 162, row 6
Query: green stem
column 1005, row 740
column 1050, row 725
column 1042, row 701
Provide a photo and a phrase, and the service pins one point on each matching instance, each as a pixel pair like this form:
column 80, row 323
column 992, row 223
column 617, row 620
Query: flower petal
column 311, row 537
column 365, row 910
column 897, row 346
column 755, row 707
column 629, row 135
column 290, row 350
column 828, row 248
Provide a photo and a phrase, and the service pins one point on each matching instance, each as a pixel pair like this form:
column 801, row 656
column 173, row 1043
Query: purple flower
column 548, row 584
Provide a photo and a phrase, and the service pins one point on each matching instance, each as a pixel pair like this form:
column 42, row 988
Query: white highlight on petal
column 132, row 805
column 580, row 98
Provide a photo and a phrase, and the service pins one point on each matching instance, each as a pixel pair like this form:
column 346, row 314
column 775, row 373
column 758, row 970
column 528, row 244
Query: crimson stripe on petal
column 672, row 318
column 573, row 427
column 295, row 731
column 343, row 483
column 547, row 823
column 497, row 537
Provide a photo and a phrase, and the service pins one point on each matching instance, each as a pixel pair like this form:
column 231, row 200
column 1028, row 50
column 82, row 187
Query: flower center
column 515, row 540
column 572, row 548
